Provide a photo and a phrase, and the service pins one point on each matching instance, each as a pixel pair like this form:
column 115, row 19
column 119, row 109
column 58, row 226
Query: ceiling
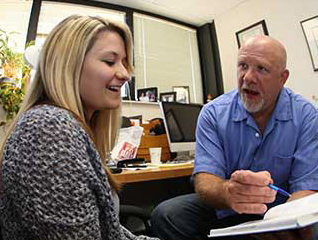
column 194, row 12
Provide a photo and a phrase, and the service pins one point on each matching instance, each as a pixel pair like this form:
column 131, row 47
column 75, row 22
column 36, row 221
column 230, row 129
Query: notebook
column 299, row 213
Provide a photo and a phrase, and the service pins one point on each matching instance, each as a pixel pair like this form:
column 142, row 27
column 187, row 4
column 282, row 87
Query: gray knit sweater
column 54, row 184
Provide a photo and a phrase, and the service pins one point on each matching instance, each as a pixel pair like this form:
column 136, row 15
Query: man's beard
column 251, row 106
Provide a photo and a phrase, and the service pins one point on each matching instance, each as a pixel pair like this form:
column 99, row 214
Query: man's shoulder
column 224, row 100
column 222, row 107
column 298, row 101
column 295, row 106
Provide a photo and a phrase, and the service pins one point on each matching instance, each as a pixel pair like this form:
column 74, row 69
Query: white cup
column 155, row 155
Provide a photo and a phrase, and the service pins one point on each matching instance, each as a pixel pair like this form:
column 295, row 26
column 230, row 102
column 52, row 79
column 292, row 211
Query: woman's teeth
column 114, row 88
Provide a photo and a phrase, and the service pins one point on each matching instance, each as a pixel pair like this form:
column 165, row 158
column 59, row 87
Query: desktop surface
column 155, row 173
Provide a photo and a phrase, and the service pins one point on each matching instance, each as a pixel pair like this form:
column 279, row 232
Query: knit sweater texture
column 54, row 186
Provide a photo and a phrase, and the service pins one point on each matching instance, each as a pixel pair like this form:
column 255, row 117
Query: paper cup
column 155, row 155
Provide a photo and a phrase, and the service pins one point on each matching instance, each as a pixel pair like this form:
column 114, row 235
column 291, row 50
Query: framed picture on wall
column 168, row 96
column 310, row 29
column 182, row 94
column 147, row 94
column 255, row 29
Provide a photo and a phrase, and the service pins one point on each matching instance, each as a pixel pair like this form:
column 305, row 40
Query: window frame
column 36, row 9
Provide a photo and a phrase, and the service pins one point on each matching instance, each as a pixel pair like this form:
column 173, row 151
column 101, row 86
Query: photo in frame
column 255, row 29
column 168, row 96
column 182, row 94
column 147, row 94
column 310, row 29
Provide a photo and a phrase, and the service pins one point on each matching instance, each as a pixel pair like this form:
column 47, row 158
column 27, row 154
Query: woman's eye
column 109, row 63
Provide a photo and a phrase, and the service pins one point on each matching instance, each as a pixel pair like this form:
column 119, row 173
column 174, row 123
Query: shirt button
column 256, row 134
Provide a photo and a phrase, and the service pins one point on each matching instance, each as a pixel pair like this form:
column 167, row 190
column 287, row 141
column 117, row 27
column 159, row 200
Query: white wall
column 282, row 18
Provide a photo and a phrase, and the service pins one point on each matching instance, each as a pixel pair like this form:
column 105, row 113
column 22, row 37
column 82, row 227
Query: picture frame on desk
column 168, row 96
column 310, row 30
column 182, row 94
column 147, row 94
column 255, row 29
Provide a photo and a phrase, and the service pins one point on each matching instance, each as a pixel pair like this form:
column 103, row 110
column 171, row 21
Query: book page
column 298, row 213
column 298, row 207
column 256, row 226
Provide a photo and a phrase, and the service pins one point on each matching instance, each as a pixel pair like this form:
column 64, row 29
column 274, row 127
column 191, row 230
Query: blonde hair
column 58, row 75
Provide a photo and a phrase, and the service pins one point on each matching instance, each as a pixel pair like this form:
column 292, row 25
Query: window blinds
column 166, row 55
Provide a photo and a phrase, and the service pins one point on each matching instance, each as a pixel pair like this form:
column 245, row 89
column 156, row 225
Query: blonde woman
column 54, row 182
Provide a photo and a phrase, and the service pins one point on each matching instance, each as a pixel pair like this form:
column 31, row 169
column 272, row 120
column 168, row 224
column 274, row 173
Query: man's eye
column 262, row 69
column 109, row 63
column 243, row 65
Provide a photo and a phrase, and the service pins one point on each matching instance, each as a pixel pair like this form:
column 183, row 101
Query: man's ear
column 285, row 76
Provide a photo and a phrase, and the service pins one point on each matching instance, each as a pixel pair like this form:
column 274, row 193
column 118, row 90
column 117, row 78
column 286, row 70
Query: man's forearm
column 212, row 190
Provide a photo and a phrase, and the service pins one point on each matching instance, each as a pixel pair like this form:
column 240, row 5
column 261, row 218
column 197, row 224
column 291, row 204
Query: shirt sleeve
column 304, row 174
column 209, row 155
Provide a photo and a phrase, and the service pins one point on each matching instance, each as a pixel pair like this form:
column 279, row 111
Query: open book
column 294, row 214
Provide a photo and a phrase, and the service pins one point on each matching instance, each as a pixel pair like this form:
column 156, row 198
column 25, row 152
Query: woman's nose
column 122, row 73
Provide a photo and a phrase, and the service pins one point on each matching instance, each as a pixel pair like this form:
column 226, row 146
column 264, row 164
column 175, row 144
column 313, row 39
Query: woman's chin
column 112, row 105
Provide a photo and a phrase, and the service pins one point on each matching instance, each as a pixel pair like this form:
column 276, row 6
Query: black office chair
column 135, row 219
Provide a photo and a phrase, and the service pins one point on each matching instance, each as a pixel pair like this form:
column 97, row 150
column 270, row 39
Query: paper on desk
column 169, row 165
column 128, row 143
column 140, row 168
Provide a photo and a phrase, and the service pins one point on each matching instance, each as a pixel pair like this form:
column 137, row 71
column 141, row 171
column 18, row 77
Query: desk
column 154, row 174
column 159, row 183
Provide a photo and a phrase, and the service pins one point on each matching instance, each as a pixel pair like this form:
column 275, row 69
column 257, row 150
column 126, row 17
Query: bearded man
column 261, row 133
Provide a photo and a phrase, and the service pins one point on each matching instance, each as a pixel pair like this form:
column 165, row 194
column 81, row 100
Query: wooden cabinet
column 148, row 141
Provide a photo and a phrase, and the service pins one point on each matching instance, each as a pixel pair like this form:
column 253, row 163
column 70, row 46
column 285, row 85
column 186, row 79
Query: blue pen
column 279, row 190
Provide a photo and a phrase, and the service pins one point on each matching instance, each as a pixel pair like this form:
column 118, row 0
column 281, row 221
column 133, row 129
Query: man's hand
column 248, row 191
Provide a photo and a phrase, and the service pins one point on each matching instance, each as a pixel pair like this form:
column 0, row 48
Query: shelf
column 139, row 102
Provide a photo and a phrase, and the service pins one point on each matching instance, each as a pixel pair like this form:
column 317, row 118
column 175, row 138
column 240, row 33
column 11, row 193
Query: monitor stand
column 184, row 156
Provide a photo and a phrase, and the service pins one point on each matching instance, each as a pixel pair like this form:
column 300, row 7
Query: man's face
column 260, row 77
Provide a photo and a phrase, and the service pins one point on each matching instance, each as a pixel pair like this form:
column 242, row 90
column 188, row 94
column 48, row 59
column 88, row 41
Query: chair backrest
column 129, row 211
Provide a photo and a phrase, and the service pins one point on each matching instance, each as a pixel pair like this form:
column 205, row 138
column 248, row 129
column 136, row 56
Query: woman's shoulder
column 46, row 128
column 48, row 119
column 45, row 111
column 47, row 114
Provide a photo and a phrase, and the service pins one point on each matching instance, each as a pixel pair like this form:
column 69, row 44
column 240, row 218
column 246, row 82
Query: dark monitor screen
column 180, row 123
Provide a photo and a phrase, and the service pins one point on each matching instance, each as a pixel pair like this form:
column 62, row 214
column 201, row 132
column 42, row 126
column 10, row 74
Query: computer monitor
column 180, row 121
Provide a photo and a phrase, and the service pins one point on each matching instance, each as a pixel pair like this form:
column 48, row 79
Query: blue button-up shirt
column 228, row 139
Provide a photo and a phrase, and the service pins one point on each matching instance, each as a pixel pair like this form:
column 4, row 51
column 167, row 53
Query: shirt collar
column 282, row 112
